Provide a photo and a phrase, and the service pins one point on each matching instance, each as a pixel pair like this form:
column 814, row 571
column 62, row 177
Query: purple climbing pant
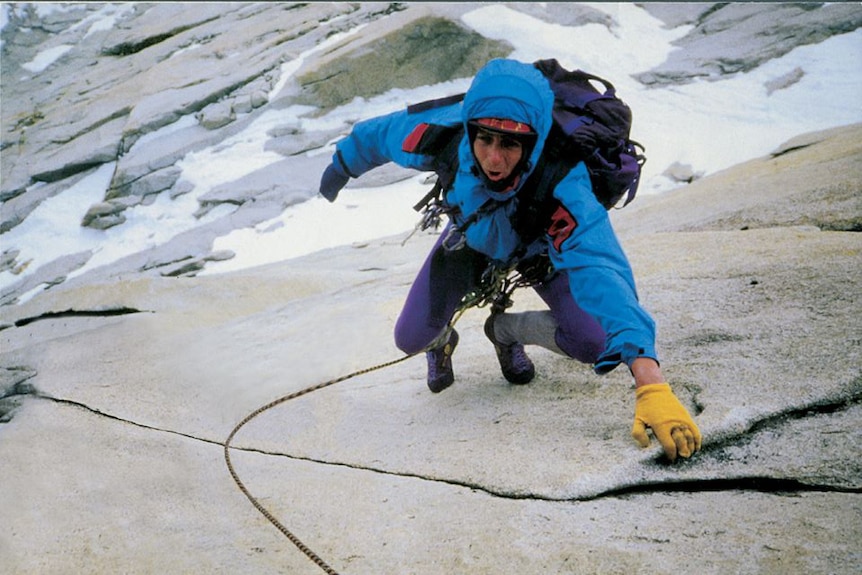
column 447, row 276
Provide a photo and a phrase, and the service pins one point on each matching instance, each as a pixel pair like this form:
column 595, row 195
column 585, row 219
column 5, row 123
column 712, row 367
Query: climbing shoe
column 514, row 362
column 440, row 374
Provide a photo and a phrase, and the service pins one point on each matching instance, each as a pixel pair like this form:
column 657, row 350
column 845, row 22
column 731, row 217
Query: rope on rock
column 495, row 289
column 265, row 512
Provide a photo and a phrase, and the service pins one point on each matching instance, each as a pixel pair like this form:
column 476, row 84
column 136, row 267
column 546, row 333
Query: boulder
column 407, row 50
column 104, row 215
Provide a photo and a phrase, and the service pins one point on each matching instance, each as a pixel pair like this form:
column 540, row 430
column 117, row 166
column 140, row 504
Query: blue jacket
column 581, row 241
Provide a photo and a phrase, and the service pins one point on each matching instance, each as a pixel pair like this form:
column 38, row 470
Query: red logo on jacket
column 563, row 223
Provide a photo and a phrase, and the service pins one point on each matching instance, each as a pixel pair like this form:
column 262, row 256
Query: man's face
column 497, row 154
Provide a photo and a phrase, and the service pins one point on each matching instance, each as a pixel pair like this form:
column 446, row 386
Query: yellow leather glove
column 658, row 408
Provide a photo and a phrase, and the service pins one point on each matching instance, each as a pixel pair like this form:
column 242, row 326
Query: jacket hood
column 510, row 90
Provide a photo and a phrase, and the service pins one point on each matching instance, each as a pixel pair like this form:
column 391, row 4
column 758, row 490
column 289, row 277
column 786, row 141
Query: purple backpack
column 594, row 127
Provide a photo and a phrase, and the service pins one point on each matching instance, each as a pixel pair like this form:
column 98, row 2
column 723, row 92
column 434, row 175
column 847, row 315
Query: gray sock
column 528, row 328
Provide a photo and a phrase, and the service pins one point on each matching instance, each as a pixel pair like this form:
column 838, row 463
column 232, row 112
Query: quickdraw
column 432, row 217
column 498, row 283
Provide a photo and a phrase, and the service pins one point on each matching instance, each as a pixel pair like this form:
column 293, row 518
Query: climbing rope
column 495, row 289
column 265, row 512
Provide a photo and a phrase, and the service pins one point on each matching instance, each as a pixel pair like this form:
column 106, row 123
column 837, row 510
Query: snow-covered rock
column 143, row 87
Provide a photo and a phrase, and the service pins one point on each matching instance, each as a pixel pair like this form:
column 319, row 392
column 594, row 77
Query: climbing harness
column 497, row 285
column 495, row 289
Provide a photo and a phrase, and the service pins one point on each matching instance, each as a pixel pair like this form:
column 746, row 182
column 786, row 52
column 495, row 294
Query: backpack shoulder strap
column 536, row 201
column 436, row 103
column 439, row 141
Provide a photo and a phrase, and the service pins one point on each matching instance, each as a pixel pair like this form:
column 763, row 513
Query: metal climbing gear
column 496, row 286
column 433, row 211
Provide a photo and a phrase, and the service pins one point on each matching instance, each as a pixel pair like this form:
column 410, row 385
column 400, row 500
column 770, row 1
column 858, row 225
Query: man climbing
column 593, row 313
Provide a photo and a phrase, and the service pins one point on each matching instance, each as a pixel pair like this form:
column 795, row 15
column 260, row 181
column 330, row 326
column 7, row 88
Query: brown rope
column 496, row 290
column 287, row 533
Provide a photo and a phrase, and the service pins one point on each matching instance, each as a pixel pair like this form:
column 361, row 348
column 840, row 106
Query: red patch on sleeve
column 563, row 223
column 412, row 141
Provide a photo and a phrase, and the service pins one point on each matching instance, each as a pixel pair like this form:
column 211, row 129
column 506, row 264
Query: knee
column 583, row 349
column 411, row 340
column 406, row 341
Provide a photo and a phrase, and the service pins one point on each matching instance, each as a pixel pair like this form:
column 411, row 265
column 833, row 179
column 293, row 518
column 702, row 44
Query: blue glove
column 332, row 181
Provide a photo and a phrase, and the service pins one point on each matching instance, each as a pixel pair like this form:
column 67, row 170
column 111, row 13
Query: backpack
column 589, row 126
column 594, row 127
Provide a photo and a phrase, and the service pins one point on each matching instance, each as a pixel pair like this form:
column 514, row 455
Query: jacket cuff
column 608, row 361
column 341, row 165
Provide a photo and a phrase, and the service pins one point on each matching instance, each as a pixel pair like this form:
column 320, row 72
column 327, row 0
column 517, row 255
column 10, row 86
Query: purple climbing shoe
column 440, row 374
column 514, row 362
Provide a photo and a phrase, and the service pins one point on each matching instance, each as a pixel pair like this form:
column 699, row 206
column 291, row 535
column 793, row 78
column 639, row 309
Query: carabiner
column 454, row 235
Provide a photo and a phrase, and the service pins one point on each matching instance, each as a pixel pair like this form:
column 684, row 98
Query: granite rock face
column 117, row 397
column 119, row 387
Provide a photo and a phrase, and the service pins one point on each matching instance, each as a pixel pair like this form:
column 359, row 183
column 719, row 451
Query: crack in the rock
column 763, row 484
column 792, row 149
column 822, row 407
column 15, row 381
column 133, row 47
column 108, row 312
column 14, row 385
column 66, row 171
column 95, row 411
